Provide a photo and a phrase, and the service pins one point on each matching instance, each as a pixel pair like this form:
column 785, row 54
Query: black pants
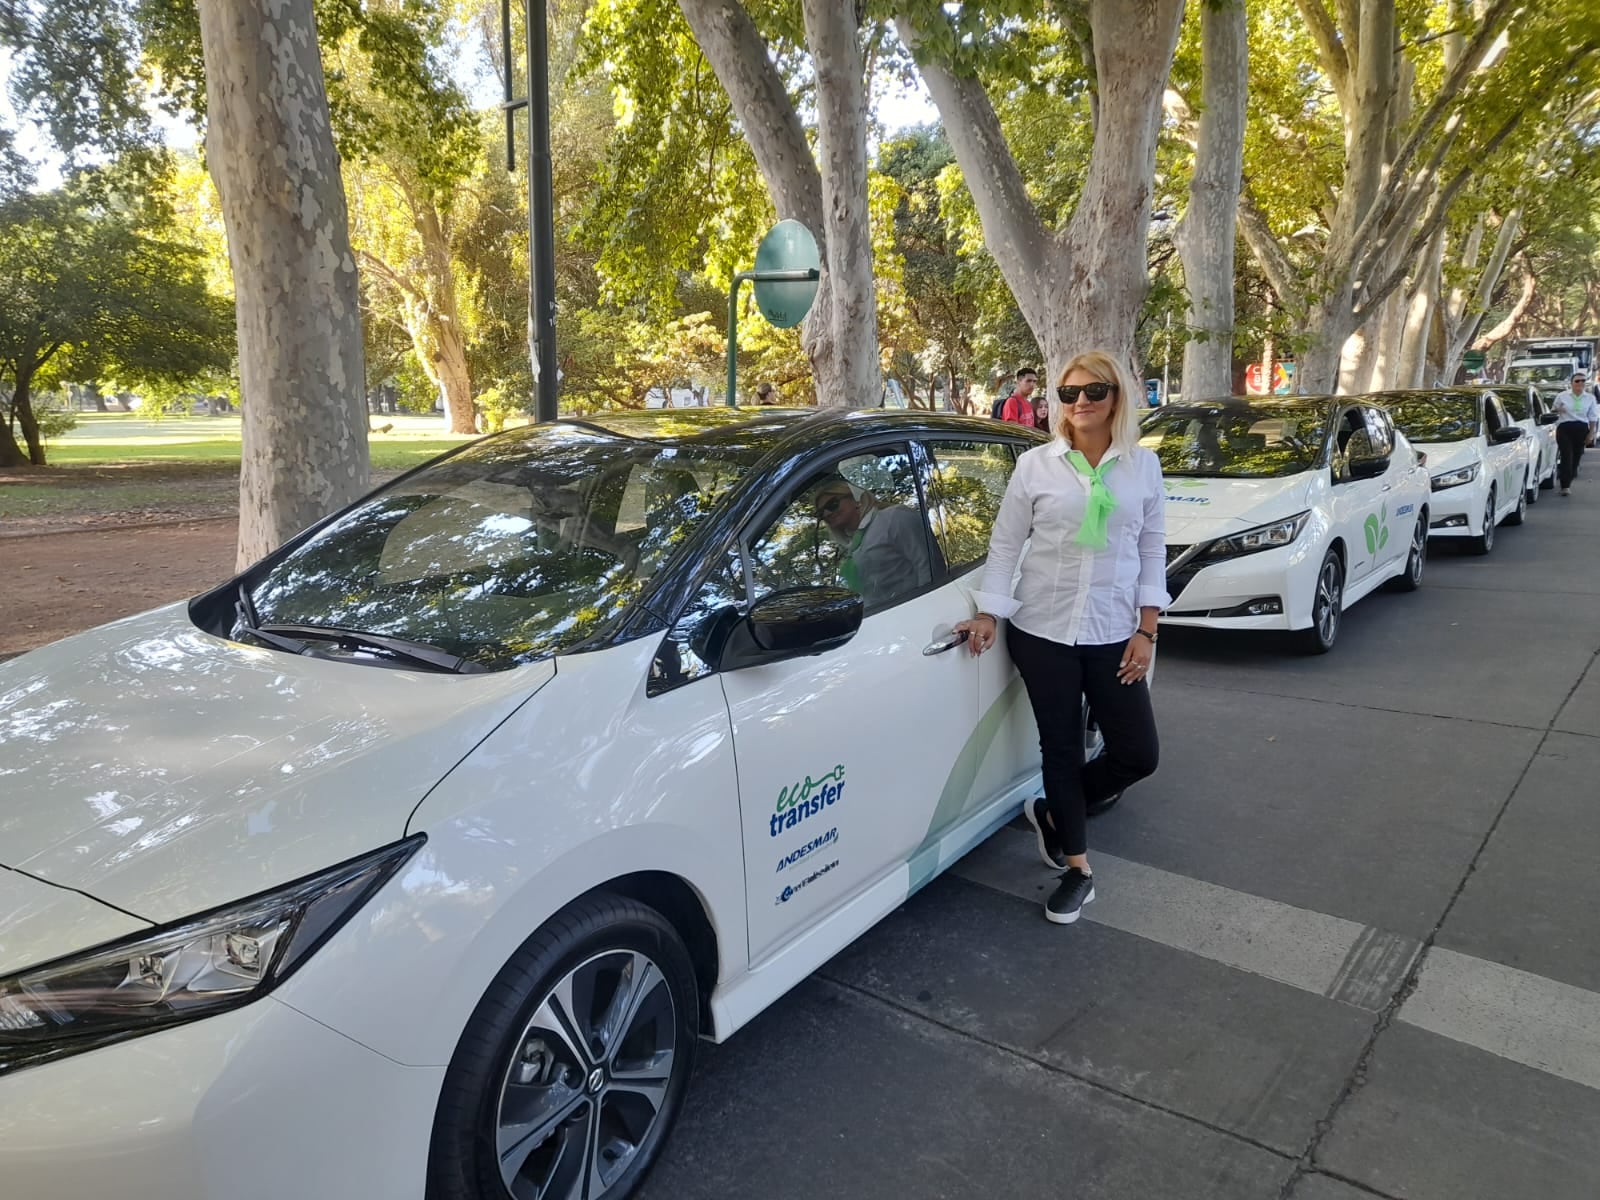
column 1059, row 679
column 1570, row 436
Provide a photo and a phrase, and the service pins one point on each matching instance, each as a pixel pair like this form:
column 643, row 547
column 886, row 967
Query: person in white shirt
column 1083, row 616
column 1579, row 419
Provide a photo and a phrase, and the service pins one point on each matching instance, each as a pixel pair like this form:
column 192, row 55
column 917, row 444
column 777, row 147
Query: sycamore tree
column 93, row 274
column 1077, row 269
column 1410, row 108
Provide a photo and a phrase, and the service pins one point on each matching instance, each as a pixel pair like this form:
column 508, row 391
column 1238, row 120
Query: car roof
column 769, row 428
column 1467, row 392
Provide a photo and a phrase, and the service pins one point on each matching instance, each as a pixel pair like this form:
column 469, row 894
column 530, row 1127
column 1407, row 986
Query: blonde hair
column 1107, row 368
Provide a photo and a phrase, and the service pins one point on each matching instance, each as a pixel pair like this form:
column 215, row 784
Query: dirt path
column 55, row 584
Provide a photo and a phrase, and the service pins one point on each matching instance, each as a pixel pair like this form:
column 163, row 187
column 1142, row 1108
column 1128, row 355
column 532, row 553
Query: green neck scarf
column 849, row 571
column 1097, row 513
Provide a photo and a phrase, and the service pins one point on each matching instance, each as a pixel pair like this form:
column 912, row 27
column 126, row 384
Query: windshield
column 515, row 549
column 1450, row 417
column 1240, row 441
column 1555, row 372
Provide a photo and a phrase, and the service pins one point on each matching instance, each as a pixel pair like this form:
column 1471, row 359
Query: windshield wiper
column 419, row 653
column 245, row 621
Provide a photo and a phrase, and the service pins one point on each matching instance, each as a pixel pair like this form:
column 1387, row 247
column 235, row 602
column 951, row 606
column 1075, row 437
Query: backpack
column 999, row 409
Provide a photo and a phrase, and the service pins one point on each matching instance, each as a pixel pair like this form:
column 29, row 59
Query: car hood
column 39, row 922
column 1200, row 508
column 1450, row 456
column 165, row 771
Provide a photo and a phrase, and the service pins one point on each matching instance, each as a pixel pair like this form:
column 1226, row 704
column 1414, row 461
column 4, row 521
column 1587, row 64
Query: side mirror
column 1366, row 468
column 1508, row 433
column 792, row 623
column 1548, row 418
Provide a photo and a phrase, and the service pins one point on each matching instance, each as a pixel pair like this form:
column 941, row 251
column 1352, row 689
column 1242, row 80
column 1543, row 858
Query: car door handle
column 949, row 642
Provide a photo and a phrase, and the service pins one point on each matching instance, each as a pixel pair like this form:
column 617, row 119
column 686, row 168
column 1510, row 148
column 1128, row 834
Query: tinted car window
column 968, row 482
column 858, row 524
column 1446, row 417
column 1517, row 405
column 510, row 551
column 1241, row 441
column 1381, row 431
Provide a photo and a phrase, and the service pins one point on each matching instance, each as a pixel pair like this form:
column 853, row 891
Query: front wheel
column 1410, row 579
column 1484, row 542
column 1327, row 607
column 572, row 1069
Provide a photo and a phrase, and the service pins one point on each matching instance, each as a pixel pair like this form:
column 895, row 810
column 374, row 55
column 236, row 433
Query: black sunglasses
column 1095, row 392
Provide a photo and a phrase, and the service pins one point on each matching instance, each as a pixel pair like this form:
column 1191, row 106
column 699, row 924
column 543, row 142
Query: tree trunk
column 841, row 102
column 743, row 64
column 270, row 150
column 1205, row 235
column 1419, row 316
column 1463, row 315
column 11, row 454
column 1080, row 289
column 22, row 412
column 445, row 355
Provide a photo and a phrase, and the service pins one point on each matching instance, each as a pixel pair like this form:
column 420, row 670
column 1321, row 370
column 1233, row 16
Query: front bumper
column 261, row 1102
column 1211, row 597
column 1456, row 512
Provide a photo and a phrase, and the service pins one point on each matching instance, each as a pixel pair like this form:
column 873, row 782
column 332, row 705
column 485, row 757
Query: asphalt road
column 1347, row 942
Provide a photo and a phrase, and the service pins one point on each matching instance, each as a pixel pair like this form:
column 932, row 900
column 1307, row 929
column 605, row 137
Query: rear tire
column 1410, row 579
column 1327, row 607
column 1520, row 514
column 1484, row 542
column 574, row 1064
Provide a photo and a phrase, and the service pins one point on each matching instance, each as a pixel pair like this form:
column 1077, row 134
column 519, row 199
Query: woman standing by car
column 1083, row 617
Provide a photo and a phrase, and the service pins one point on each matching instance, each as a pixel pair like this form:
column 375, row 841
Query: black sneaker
column 1049, row 844
column 1075, row 890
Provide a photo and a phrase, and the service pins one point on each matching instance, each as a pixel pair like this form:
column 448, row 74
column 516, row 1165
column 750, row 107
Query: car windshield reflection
column 1236, row 440
column 517, row 548
column 1450, row 417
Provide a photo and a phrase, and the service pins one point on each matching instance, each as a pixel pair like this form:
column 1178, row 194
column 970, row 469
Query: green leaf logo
column 1377, row 530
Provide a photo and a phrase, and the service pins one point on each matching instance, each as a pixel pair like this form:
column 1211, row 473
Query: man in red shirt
column 1019, row 405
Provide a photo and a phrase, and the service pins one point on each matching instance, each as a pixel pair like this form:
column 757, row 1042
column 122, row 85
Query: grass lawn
column 120, row 465
column 109, row 439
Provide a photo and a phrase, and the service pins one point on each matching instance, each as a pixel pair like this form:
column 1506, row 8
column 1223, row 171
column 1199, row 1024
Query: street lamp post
column 541, row 200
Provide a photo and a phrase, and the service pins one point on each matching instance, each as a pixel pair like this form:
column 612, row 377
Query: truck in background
column 1548, row 363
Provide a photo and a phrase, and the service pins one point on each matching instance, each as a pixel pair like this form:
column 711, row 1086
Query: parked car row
column 424, row 851
column 1283, row 512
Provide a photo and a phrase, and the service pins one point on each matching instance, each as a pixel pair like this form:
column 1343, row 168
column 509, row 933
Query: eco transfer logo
column 1377, row 529
column 800, row 801
column 810, row 848
column 1186, row 483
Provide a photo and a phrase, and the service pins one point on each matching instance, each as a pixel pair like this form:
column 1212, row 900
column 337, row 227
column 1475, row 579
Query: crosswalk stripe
column 1538, row 1022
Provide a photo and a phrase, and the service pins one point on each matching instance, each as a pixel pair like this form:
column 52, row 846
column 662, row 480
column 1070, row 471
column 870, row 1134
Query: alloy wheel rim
column 587, row 1080
column 1419, row 552
column 1488, row 524
column 1328, row 602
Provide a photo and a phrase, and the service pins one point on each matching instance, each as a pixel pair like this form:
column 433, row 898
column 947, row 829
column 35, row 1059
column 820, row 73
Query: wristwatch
column 1147, row 634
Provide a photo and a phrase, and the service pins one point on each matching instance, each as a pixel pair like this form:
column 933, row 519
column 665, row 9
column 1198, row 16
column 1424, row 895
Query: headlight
column 1450, row 479
column 1262, row 537
column 185, row 971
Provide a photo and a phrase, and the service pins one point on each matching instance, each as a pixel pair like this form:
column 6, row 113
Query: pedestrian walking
column 1579, row 420
column 1081, row 621
column 1018, row 407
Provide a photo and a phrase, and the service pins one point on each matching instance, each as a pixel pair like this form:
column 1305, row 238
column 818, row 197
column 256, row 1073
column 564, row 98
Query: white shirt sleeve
column 1153, row 539
column 1011, row 529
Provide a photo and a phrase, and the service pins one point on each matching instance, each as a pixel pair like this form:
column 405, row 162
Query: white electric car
column 1530, row 410
column 1478, row 459
column 416, row 859
column 1281, row 513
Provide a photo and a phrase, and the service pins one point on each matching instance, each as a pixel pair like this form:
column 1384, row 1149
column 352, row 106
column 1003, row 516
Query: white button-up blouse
column 1067, row 592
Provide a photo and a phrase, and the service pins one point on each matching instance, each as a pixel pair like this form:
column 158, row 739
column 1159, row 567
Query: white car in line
column 1530, row 410
column 1478, row 459
column 416, row 859
column 1281, row 513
